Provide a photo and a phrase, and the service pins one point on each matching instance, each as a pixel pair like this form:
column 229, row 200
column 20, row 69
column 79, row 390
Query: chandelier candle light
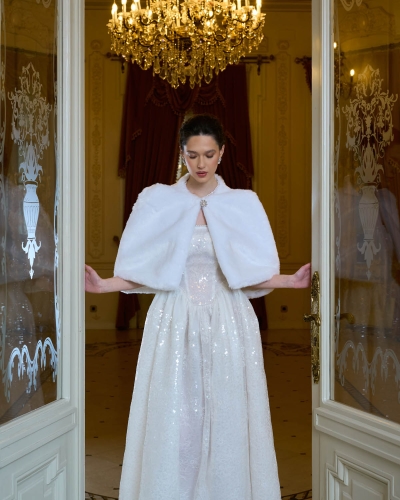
column 188, row 39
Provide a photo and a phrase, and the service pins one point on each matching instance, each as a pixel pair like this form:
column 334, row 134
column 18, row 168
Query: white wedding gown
column 199, row 426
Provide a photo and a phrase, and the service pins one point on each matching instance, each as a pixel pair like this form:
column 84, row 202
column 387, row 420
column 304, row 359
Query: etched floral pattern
column 30, row 130
column 349, row 4
column 369, row 132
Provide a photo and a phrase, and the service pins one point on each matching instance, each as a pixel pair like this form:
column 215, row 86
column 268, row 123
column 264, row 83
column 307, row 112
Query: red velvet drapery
column 149, row 152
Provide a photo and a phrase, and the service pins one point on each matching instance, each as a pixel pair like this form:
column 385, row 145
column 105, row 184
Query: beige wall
column 104, row 189
column 280, row 116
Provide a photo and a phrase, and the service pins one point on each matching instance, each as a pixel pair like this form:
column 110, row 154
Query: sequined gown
column 199, row 425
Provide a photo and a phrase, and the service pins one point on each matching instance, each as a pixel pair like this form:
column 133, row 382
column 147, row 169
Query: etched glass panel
column 29, row 200
column 366, row 88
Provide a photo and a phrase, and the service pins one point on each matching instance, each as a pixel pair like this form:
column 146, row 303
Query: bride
column 199, row 425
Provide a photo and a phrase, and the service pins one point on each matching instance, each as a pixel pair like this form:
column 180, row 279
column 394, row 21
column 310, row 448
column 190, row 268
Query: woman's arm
column 95, row 284
column 300, row 279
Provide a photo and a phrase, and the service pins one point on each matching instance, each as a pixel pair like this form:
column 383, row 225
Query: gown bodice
column 203, row 276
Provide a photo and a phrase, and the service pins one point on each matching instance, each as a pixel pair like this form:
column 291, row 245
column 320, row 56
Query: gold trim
column 315, row 320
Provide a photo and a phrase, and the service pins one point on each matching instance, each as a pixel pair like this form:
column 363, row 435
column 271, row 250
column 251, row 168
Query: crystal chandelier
column 188, row 39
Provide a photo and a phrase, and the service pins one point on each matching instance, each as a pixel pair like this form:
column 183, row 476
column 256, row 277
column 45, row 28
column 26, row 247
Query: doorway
column 280, row 99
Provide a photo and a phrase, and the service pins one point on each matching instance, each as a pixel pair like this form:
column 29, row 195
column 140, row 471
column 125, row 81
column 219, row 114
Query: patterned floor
column 304, row 495
column 110, row 369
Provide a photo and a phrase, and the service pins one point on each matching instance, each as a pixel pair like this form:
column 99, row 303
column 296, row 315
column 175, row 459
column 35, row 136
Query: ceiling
column 269, row 5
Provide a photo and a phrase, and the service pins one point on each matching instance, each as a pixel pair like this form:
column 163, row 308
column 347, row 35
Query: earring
column 219, row 160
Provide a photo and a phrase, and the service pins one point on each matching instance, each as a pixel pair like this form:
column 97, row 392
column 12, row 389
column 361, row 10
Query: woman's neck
column 201, row 189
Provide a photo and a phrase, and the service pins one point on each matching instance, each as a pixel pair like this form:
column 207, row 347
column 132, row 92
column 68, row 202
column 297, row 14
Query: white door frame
column 48, row 444
column 320, row 203
column 360, row 442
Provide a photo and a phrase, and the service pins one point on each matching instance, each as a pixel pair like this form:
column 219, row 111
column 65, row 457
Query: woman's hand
column 93, row 282
column 302, row 278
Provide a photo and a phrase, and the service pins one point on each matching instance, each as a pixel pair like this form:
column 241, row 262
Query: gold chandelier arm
column 186, row 39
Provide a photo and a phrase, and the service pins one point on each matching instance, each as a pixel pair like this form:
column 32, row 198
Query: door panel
column 29, row 190
column 366, row 88
column 356, row 231
column 41, row 250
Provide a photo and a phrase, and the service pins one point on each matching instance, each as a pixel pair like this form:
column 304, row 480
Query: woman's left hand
column 302, row 278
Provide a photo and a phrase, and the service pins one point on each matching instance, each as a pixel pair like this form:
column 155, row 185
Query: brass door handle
column 312, row 317
column 315, row 320
column 350, row 317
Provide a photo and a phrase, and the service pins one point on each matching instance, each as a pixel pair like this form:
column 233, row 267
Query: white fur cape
column 156, row 239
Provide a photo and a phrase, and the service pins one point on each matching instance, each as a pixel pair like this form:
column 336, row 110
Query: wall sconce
column 349, row 86
column 306, row 62
column 346, row 87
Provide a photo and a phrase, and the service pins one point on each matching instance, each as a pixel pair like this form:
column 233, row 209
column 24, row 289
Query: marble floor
column 110, row 369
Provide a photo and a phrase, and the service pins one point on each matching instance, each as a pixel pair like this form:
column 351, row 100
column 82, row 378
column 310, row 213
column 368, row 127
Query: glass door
column 29, row 210
column 356, row 248
column 41, row 254
column 366, row 167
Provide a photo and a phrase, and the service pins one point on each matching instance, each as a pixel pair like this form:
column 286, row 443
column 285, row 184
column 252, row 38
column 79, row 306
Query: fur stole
column 156, row 239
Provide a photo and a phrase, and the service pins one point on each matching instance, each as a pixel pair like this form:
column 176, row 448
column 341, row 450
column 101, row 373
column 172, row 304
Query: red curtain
column 149, row 151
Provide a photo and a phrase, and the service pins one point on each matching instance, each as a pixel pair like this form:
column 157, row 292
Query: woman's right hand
column 93, row 282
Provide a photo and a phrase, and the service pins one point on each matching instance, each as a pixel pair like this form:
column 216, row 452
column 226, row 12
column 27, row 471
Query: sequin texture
column 199, row 427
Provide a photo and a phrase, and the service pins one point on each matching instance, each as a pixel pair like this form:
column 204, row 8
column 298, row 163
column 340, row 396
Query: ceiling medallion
column 191, row 39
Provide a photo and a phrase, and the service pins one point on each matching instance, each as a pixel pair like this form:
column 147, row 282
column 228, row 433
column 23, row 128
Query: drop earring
column 219, row 160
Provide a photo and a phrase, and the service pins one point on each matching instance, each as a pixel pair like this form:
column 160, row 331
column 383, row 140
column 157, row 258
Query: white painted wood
column 356, row 456
column 317, row 152
column 42, row 453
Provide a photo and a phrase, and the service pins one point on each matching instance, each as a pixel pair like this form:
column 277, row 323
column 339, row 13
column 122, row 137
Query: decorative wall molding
column 283, row 151
column 269, row 5
column 96, row 155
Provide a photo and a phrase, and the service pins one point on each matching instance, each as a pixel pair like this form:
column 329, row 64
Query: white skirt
column 199, row 425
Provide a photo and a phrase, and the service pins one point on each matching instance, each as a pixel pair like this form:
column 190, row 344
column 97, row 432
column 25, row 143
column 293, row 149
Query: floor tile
column 111, row 358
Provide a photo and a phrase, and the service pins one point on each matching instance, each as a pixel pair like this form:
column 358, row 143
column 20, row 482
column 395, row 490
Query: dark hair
column 201, row 125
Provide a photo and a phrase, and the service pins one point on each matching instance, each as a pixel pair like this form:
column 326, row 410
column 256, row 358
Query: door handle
column 349, row 317
column 312, row 317
column 315, row 320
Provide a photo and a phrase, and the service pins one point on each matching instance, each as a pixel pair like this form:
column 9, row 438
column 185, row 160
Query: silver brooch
column 203, row 203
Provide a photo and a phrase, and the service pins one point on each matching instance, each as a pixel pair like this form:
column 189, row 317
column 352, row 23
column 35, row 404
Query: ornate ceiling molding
column 268, row 6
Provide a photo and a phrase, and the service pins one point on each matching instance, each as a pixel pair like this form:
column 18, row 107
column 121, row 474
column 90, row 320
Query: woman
column 199, row 427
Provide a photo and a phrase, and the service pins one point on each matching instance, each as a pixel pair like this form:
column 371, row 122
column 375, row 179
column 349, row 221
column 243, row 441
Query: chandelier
column 191, row 39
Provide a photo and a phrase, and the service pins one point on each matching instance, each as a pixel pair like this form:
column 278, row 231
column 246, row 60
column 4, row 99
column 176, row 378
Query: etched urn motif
column 30, row 130
column 369, row 133
column 31, row 209
column 368, row 209
column 31, row 215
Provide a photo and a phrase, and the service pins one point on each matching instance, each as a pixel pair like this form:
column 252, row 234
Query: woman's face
column 201, row 154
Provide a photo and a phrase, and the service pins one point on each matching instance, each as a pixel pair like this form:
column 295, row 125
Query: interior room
column 83, row 132
column 278, row 96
